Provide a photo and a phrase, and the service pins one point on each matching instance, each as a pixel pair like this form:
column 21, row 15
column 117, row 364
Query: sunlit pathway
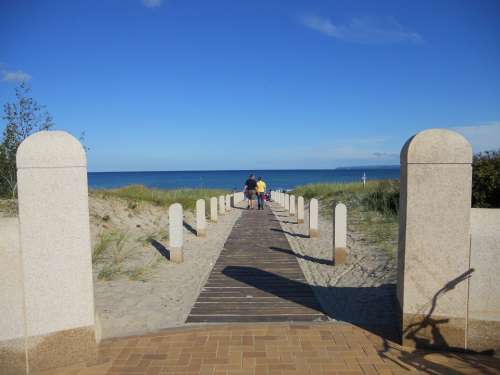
column 257, row 278
column 277, row 348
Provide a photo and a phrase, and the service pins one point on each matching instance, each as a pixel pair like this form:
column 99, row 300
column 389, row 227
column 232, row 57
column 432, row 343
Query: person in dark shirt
column 250, row 189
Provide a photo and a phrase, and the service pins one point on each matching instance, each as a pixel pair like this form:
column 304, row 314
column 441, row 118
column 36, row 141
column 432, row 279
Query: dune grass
column 372, row 210
column 110, row 255
column 135, row 194
column 380, row 196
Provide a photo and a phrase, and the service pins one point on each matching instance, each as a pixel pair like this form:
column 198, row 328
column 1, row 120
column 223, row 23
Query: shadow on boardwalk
column 305, row 257
column 352, row 305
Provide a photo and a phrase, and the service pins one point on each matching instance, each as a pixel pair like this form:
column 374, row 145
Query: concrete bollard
column 228, row 202
column 300, row 210
column 213, row 210
column 175, row 223
column 340, row 233
column 201, row 219
column 222, row 205
column 313, row 218
column 292, row 205
column 287, row 202
column 57, row 323
column 434, row 239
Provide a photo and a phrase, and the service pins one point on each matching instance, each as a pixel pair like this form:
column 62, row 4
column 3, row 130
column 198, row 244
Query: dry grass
column 110, row 256
column 135, row 194
column 372, row 210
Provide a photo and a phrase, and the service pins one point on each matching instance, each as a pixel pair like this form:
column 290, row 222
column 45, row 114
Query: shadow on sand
column 161, row 249
column 189, row 227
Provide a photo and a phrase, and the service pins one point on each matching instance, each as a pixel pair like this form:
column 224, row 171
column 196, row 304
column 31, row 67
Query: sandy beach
column 150, row 292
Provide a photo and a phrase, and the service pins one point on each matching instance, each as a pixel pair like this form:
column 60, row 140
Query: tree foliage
column 22, row 118
column 486, row 180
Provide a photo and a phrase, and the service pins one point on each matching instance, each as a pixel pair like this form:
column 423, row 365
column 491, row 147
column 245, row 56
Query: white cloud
column 482, row 137
column 152, row 3
column 15, row 76
column 367, row 31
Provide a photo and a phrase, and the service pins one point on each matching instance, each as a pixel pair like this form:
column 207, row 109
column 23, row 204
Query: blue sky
column 180, row 84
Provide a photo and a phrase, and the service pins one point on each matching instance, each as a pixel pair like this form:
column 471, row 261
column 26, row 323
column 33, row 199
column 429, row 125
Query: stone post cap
column 50, row 149
column 436, row 146
column 341, row 207
column 175, row 207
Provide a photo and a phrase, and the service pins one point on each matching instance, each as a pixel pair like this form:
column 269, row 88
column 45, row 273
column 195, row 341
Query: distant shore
column 234, row 180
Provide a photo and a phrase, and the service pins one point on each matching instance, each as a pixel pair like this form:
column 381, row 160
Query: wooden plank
column 251, row 282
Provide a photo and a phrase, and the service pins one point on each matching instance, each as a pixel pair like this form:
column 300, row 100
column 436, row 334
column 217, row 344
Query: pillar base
column 62, row 348
column 436, row 332
column 313, row 233
column 12, row 357
column 483, row 335
column 57, row 349
column 340, row 255
column 176, row 255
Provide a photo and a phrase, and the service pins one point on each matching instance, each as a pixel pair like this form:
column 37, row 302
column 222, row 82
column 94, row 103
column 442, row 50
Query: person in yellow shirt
column 261, row 190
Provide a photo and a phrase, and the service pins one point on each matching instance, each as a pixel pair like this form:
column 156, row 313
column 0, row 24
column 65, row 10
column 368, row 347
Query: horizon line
column 250, row 170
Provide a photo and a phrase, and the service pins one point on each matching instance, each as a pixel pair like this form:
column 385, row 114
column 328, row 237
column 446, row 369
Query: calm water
column 275, row 179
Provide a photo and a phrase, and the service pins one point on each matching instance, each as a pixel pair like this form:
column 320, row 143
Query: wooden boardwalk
column 257, row 278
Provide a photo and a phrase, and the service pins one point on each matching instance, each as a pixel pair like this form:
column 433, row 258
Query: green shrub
column 385, row 198
column 486, row 180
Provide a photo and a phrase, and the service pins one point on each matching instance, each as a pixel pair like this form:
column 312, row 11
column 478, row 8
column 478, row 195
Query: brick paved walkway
column 310, row 348
column 253, row 283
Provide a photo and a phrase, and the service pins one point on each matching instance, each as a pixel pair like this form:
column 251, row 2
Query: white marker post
column 201, row 220
column 213, row 210
column 300, row 210
column 175, row 218
column 292, row 205
column 222, row 203
column 313, row 218
column 340, row 233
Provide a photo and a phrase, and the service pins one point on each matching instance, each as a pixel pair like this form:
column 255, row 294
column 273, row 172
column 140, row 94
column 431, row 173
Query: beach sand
column 126, row 305
column 360, row 290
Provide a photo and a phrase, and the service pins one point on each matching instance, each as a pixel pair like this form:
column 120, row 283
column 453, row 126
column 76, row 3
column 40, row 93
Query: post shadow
column 189, row 227
column 305, row 257
column 161, row 249
column 284, row 221
column 290, row 233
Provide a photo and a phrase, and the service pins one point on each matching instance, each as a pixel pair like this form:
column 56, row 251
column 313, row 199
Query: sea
column 234, row 180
